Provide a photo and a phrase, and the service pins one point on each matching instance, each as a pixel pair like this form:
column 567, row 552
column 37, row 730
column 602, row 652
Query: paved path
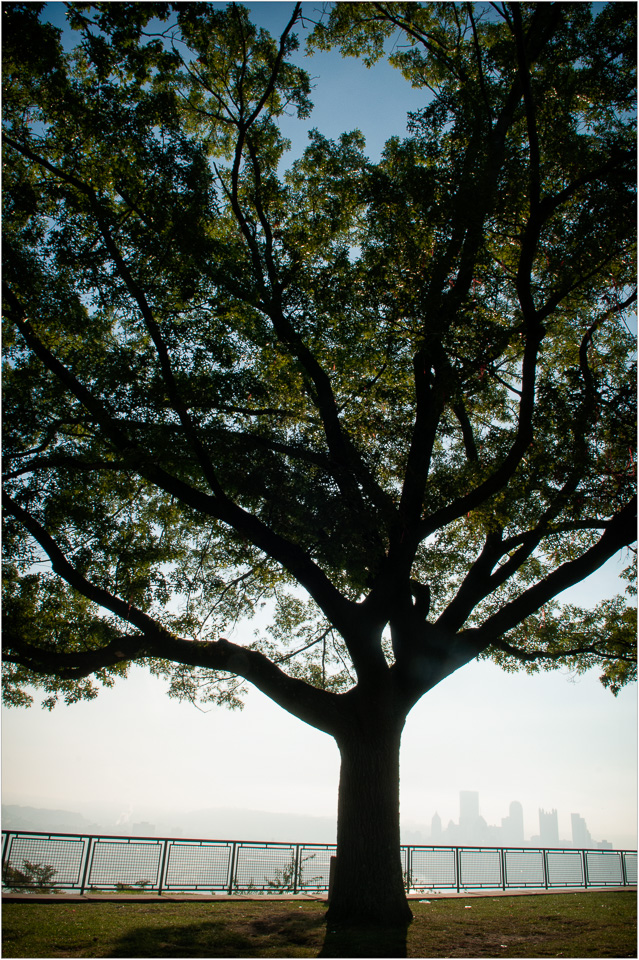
column 286, row 897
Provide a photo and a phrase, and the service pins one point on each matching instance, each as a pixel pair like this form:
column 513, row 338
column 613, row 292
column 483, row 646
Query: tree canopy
column 390, row 402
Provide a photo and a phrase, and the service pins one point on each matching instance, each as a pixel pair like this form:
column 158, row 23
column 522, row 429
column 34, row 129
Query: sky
column 550, row 741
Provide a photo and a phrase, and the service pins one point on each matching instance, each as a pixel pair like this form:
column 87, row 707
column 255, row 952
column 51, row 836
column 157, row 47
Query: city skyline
column 473, row 829
column 219, row 824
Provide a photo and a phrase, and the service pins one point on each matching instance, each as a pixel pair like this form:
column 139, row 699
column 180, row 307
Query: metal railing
column 37, row 862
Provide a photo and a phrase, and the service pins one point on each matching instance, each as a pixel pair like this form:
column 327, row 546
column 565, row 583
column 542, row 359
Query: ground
column 583, row 924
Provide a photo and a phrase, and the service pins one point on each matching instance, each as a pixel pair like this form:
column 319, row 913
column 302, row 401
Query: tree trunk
column 368, row 887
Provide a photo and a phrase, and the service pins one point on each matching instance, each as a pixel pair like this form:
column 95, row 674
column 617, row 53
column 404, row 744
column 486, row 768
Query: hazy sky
column 547, row 740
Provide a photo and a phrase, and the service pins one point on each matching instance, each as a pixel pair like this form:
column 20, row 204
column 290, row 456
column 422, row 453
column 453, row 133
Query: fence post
column 85, row 872
column 5, row 849
column 232, row 868
column 544, row 862
column 458, row 866
column 584, row 861
column 624, row 874
column 163, row 866
column 297, row 868
column 5, row 846
column 503, row 868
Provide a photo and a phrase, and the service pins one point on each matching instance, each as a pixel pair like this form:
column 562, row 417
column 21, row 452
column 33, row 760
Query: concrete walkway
column 286, row 897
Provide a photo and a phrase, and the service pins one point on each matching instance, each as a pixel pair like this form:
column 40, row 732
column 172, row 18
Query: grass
column 562, row 925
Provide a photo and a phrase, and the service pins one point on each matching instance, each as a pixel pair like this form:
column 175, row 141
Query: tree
column 35, row 877
column 393, row 402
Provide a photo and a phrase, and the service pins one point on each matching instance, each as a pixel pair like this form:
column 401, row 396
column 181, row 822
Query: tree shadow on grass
column 276, row 935
column 365, row 942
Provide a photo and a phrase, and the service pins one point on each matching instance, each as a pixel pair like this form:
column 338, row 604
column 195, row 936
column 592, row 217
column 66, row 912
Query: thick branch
column 543, row 24
column 313, row 706
column 76, row 665
column 467, row 432
column 620, row 532
column 319, row 708
column 474, row 586
column 428, row 408
column 480, row 580
column 500, row 478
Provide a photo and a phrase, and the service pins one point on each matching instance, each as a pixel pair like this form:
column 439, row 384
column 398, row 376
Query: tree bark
column 368, row 887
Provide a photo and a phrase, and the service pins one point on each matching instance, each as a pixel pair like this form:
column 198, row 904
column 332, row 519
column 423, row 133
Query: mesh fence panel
column 524, row 868
column 65, row 856
column 262, row 867
column 630, row 860
column 198, row 865
column 604, row 866
column 127, row 862
column 565, row 868
column 480, row 868
column 433, row 868
column 314, row 866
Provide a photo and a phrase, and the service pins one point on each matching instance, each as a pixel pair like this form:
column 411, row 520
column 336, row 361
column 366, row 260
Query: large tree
column 391, row 402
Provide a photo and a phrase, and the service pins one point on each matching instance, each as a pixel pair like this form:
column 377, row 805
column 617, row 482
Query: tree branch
column 531, row 656
column 319, row 708
column 293, row 558
column 529, row 104
column 156, row 641
column 480, row 69
column 619, row 532
column 61, row 565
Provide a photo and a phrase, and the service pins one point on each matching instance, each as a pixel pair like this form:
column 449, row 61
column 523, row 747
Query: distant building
column 468, row 817
column 142, row 829
column 452, row 833
column 436, row 828
column 472, row 829
column 580, row 834
column 468, row 807
column 548, row 828
column 512, row 826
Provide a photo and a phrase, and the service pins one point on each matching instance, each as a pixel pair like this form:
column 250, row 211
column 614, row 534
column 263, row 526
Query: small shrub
column 138, row 887
column 36, row 877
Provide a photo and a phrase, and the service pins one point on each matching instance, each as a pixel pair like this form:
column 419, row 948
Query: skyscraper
column 512, row 826
column 548, row 829
column 472, row 828
column 580, row 833
column 436, row 828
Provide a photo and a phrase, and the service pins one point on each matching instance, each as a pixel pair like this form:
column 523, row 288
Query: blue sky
column 549, row 740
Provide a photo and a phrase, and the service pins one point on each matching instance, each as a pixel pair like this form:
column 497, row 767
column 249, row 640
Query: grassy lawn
column 562, row 925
